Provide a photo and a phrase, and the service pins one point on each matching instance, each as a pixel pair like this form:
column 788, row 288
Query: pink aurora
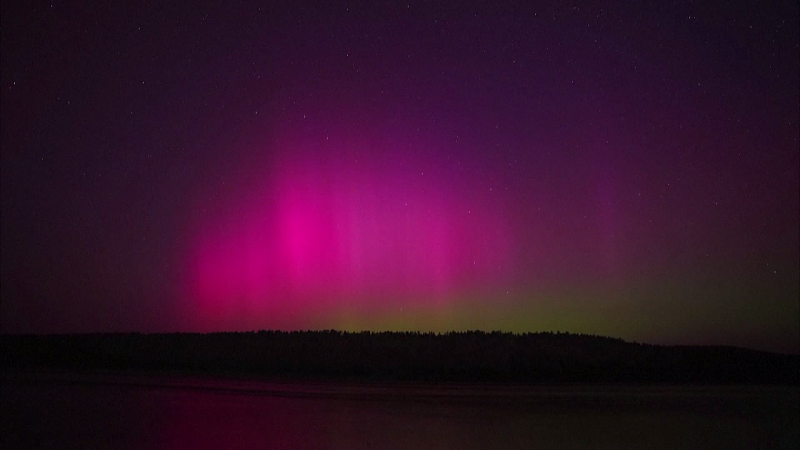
column 329, row 231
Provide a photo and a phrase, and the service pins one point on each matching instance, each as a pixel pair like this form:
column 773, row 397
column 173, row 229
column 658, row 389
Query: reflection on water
column 171, row 413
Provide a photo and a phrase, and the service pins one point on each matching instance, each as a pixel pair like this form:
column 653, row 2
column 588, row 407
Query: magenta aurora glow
column 356, row 225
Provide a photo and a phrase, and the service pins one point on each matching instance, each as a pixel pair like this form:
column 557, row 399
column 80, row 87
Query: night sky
column 629, row 169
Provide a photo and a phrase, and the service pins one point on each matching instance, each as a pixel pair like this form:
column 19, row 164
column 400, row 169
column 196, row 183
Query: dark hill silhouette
column 472, row 356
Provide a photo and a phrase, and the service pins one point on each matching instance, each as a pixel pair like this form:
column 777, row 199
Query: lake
column 137, row 411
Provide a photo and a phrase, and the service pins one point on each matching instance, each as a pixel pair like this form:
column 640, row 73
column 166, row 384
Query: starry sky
column 628, row 169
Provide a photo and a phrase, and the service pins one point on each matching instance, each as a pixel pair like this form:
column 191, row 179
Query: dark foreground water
column 145, row 412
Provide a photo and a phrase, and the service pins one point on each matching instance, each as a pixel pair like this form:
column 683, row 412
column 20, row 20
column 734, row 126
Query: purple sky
column 624, row 169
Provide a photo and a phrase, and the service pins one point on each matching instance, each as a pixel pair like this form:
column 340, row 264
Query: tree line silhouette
column 471, row 356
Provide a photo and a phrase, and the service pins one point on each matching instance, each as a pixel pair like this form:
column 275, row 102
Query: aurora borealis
column 608, row 168
column 355, row 224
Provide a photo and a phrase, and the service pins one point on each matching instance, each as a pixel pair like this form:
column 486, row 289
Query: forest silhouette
column 471, row 356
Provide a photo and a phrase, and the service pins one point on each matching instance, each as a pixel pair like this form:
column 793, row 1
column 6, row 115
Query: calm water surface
column 145, row 412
